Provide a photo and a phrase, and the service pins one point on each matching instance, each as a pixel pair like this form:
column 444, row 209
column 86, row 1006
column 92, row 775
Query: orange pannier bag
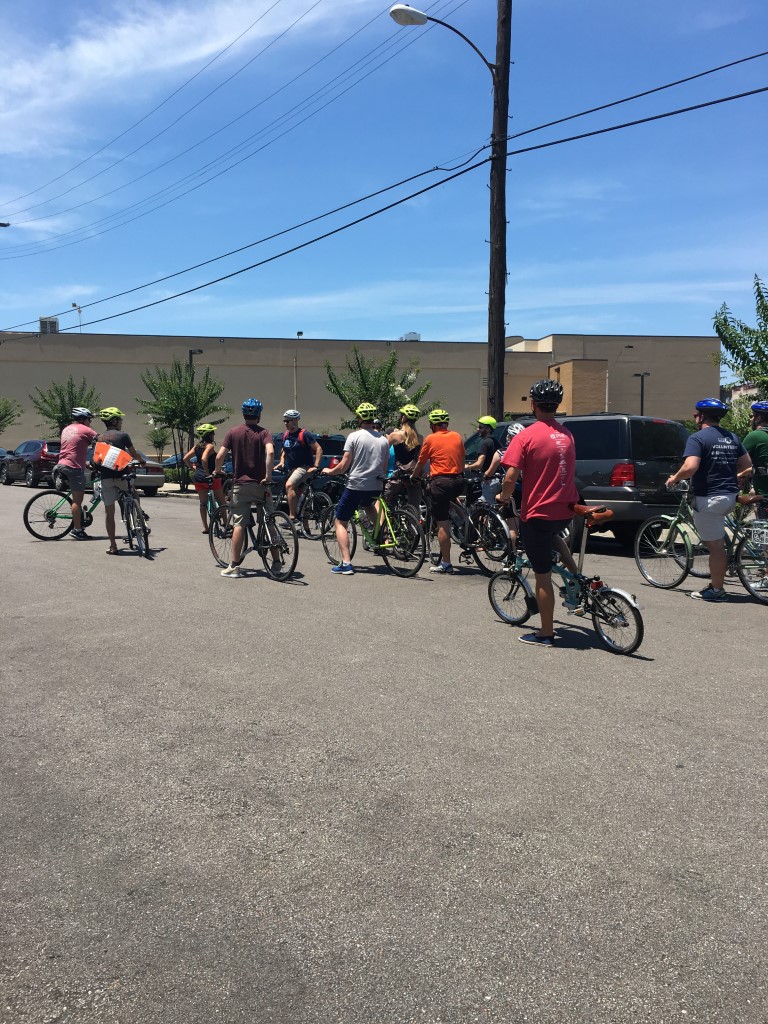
column 106, row 455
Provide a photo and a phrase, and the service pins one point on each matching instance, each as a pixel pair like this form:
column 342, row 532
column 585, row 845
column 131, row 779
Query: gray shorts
column 245, row 495
column 709, row 514
column 110, row 486
column 75, row 477
column 297, row 477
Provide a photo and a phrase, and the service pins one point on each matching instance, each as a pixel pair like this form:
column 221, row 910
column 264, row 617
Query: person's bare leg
column 718, row 562
column 342, row 539
column 204, row 512
column 77, row 504
column 545, row 596
column 238, row 536
column 292, row 494
column 109, row 520
column 444, row 540
column 565, row 555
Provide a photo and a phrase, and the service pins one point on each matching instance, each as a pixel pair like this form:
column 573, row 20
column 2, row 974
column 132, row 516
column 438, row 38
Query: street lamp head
column 405, row 15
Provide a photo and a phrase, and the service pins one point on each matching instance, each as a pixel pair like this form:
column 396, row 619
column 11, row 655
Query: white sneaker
column 232, row 572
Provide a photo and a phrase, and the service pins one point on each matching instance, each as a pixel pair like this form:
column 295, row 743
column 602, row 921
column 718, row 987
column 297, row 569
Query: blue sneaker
column 536, row 640
column 343, row 569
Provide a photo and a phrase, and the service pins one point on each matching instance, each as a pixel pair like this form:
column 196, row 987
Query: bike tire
column 220, row 535
column 278, row 534
column 491, row 547
column 511, row 596
column 433, row 544
column 407, row 557
column 312, row 511
column 751, row 561
column 328, row 536
column 617, row 622
column 48, row 516
column 127, row 512
column 142, row 531
column 662, row 553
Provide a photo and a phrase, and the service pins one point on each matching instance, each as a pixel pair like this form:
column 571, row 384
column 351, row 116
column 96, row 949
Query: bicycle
column 133, row 516
column 310, row 508
column 396, row 535
column 615, row 614
column 668, row 547
column 476, row 528
column 275, row 540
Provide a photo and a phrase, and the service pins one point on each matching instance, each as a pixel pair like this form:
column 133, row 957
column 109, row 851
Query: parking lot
column 360, row 800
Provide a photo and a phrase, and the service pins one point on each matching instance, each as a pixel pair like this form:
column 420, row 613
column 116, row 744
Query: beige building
column 597, row 372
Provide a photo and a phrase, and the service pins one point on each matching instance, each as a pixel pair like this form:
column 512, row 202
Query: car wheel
column 29, row 477
column 59, row 481
column 4, row 478
column 150, row 491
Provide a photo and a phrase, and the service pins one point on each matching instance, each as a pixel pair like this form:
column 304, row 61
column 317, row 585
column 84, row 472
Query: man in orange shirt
column 444, row 450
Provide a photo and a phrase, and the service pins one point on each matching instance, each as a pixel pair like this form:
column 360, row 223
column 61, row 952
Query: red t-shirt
column 249, row 457
column 545, row 454
column 74, row 445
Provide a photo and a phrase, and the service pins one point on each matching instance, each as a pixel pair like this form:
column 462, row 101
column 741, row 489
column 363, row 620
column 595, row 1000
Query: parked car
column 174, row 462
column 622, row 462
column 3, row 453
column 149, row 478
column 32, row 462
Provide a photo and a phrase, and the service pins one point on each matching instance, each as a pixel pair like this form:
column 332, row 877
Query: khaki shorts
column 245, row 495
column 110, row 485
column 297, row 477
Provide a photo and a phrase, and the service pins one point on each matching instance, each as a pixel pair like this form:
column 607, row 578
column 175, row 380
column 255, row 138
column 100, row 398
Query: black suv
column 622, row 462
column 32, row 462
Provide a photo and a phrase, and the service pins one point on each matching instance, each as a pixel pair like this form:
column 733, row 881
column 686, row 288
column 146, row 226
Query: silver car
column 149, row 478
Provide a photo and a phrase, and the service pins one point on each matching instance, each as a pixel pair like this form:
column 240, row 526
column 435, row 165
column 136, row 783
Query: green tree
column 56, row 402
column 158, row 438
column 10, row 411
column 180, row 400
column 379, row 382
column 744, row 348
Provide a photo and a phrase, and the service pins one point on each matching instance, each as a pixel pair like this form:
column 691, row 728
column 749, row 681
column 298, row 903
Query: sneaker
column 276, row 567
column 80, row 535
column 763, row 584
column 343, row 569
column 537, row 641
column 709, row 594
column 232, row 572
column 442, row 569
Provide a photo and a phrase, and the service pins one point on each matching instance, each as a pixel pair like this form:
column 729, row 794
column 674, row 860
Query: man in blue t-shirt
column 713, row 457
column 299, row 458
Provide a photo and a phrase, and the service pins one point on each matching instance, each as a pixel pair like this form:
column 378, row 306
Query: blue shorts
column 352, row 500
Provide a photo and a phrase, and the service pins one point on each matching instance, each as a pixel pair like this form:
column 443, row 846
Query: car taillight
column 623, row 475
column 334, row 462
column 45, row 454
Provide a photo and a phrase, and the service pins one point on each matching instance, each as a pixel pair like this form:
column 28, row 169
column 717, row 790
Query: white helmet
column 291, row 414
column 513, row 429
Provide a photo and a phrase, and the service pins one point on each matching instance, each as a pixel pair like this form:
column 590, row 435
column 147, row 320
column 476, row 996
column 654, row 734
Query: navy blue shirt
column 719, row 451
column 298, row 453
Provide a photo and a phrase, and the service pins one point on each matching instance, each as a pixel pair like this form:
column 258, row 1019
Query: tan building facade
column 596, row 372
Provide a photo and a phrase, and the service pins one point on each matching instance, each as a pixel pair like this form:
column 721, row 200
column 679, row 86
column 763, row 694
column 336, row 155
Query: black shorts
column 442, row 491
column 538, row 535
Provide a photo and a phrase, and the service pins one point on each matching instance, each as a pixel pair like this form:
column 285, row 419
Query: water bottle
column 572, row 592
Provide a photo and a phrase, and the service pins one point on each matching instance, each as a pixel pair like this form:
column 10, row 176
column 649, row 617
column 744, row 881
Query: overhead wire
column 398, row 202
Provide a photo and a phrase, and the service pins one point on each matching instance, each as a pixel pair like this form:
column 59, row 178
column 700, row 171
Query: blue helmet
column 713, row 404
column 252, row 407
column 760, row 407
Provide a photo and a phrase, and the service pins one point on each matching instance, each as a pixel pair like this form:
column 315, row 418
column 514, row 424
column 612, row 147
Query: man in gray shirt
column 365, row 458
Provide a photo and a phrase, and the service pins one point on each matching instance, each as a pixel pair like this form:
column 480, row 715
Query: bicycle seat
column 593, row 513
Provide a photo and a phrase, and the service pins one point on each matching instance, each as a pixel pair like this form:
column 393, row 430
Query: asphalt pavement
column 359, row 800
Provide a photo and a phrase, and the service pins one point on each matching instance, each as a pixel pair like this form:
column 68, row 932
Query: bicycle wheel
column 491, row 546
column 141, row 529
column 511, row 596
column 752, row 568
column 278, row 545
column 220, row 535
column 662, row 553
column 311, row 513
column 407, row 556
column 48, row 516
column 433, row 545
column 618, row 623
column 328, row 536
column 126, row 509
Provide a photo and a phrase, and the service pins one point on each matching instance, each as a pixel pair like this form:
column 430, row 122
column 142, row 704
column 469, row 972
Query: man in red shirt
column 74, row 445
column 545, row 454
column 444, row 450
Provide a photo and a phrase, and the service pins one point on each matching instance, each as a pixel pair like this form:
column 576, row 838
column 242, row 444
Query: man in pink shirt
column 545, row 454
column 75, row 440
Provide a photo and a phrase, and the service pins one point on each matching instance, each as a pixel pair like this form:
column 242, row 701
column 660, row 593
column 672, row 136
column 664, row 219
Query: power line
column 414, row 195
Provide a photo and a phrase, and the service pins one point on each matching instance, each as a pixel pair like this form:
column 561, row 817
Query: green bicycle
column 396, row 535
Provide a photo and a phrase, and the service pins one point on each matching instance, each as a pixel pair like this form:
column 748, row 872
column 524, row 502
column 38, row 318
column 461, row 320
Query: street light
column 404, row 15
column 192, row 353
column 613, row 367
column 79, row 315
column 642, row 376
column 299, row 336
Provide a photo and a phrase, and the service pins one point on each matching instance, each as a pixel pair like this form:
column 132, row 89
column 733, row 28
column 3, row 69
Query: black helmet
column 547, row 392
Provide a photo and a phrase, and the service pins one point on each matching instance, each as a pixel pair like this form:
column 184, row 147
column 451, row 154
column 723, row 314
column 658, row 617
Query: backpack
column 302, row 438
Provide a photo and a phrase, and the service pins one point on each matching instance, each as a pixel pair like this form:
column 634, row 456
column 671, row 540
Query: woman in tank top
column 406, row 444
column 204, row 452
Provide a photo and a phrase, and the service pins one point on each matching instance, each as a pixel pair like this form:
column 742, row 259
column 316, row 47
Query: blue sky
column 646, row 230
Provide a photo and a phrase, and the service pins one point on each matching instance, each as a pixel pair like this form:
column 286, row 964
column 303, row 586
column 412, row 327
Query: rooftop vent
column 49, row 325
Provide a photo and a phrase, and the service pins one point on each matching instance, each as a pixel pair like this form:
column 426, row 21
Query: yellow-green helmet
column 410, row 411
column 111, row 413
column 438, row 416
column 366, row 411
column 487, row 421
column 205, row 428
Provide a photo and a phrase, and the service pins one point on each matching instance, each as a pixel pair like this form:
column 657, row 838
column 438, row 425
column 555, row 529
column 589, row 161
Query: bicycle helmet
column 291, row 414
column 111, row 413
column 487, row 421
column 712, row 404
column 252, row 408
column 759, row 407
column 438, row 416
column 205, row 428
column 411, row 412
column 81, row 413
column 513, row 430
column 547, row 392
column 366, row 412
